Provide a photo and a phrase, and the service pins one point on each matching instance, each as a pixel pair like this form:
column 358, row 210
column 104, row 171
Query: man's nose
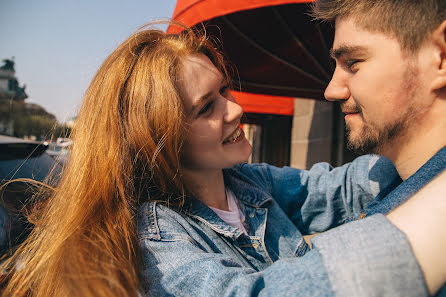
column 337, row 88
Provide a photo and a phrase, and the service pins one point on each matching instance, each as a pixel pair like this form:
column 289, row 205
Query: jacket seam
column 262, row 240
column 155, row 222
column 302, row 248
column 176, row 239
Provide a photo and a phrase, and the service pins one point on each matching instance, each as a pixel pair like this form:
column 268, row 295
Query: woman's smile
column 236, row 136
column 215, row 139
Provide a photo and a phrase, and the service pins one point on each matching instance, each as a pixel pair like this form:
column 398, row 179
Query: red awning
column 192, row 12
column 266, row 104
column 279, row 52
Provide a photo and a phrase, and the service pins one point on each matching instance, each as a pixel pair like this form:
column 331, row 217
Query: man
column 390, row 80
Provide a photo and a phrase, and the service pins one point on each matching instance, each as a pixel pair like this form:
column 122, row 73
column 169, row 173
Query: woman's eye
column 224, row 89
column 206, row 108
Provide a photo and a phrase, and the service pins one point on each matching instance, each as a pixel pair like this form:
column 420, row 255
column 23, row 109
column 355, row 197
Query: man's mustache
column 351, row 108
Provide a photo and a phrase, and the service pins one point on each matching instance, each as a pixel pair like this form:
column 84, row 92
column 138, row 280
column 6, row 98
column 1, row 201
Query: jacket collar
column 245, row 191
column 401, row 191
column 204, row 214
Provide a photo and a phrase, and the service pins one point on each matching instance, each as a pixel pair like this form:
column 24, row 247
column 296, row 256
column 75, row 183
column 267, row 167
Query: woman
column 156, row 129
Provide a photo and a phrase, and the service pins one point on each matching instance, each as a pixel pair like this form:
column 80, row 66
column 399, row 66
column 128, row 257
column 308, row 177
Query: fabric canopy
column 266, row 104
column 192, row 12
column 278, row 51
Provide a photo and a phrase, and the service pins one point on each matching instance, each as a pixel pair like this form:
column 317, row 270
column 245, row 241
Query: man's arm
column 369, row 257
column 423, row 218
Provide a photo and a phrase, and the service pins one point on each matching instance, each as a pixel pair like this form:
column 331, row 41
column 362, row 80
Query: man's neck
column 409, row 153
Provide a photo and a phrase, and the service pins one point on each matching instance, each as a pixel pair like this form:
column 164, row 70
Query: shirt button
column 255, row 245
column 251, row 215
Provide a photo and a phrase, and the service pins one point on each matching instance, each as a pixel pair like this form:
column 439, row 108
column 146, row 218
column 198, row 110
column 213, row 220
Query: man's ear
column 439, row 38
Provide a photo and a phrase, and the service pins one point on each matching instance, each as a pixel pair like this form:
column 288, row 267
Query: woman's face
column 214, row 138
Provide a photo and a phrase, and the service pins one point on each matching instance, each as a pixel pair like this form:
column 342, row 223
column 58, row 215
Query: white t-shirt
column 234, row 216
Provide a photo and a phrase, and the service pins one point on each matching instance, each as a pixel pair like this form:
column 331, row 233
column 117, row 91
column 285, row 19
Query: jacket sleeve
column 324, row 197
column 382, row 264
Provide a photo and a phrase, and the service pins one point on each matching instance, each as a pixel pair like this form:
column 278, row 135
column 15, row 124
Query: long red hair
column 127, row 149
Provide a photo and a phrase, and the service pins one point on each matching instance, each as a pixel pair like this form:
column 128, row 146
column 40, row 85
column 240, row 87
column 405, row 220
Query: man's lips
column 351, row 114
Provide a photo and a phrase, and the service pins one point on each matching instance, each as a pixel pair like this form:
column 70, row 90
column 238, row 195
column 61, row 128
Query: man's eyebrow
column 346, row 49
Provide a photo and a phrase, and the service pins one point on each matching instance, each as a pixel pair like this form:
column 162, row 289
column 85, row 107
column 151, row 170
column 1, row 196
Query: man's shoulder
column 398, row 192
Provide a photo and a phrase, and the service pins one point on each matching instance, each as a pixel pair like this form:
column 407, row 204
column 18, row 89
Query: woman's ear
column 439, row 39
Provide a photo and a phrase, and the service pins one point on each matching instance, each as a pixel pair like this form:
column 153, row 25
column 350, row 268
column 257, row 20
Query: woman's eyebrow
column 200, row 100
column 204, row 98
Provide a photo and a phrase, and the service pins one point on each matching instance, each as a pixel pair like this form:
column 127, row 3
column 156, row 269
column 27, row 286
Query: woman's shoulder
column 156, row 221
column 257, row 172
column 265, row 175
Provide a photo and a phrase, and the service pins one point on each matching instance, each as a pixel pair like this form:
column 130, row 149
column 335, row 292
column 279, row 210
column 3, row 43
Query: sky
column 58, row 45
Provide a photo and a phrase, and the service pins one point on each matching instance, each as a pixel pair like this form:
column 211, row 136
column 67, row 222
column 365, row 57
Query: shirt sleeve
column 324, row 197
column 364, row 258
column 175, row 264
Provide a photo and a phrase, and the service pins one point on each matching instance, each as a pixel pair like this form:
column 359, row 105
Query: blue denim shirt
column 195, row 253
column 398, row 192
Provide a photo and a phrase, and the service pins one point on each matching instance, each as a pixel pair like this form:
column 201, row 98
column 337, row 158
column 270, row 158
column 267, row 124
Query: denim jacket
column 195, row 253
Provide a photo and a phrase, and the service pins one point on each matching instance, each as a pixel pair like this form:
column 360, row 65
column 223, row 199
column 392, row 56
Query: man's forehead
column 347, row 29
column 353, row 38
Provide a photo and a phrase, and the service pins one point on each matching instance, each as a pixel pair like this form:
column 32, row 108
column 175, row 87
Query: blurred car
column 20, row 159
column 60, row 150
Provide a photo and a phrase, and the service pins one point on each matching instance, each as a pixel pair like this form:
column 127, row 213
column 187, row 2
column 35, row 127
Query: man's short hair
column 409, row 21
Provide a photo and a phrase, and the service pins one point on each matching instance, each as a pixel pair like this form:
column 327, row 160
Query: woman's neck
column 208, row 187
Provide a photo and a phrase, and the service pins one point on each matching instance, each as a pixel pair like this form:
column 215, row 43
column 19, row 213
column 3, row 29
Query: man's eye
column 206, row 108
column 351, row 63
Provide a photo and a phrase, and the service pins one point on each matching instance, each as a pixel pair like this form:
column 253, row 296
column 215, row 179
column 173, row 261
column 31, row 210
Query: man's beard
column 373, row 139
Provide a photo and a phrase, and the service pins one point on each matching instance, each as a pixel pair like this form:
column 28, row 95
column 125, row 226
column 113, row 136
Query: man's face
column 378, row 86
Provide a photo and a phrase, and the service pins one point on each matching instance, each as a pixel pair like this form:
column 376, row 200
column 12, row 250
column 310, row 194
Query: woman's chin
column 246, row 151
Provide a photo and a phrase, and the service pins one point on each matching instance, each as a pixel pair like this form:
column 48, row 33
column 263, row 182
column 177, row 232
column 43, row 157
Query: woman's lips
column 235, row 137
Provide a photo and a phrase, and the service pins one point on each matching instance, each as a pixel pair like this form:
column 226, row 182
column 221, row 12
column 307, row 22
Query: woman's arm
column 369, row 257
column 324, row 197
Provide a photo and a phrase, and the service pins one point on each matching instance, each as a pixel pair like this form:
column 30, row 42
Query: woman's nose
column 233, row 110
column 337, row 88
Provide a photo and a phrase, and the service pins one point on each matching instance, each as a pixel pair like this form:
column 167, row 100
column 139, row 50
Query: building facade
column 9, row 91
